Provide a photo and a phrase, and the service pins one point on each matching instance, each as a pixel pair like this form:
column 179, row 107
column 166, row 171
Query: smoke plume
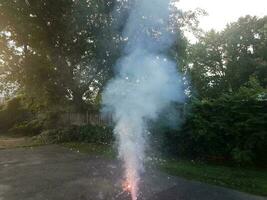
column 146, row 82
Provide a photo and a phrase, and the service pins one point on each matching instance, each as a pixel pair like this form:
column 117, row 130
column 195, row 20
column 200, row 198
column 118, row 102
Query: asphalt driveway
column 57, row 173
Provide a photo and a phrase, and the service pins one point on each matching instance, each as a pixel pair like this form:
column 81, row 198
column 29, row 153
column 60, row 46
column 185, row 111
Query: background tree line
column 226, row 120
column 57, row 56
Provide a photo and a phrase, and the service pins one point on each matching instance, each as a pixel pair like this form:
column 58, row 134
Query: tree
column 63, row 51
column 56, row 49
column 221, row 62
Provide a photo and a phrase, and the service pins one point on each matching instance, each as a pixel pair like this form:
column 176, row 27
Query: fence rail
column 95, row 118
column 74, row 118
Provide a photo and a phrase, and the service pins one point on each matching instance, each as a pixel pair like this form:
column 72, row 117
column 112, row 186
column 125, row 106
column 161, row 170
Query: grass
column 252, row 181
column 106, row 151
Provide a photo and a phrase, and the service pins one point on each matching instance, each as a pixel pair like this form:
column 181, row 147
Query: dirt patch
column 7, row 142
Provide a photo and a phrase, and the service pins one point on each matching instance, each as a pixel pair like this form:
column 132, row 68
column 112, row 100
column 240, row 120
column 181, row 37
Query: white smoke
column 146, row 82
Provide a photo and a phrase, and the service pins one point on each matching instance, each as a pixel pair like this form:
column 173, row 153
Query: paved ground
column 56, row 173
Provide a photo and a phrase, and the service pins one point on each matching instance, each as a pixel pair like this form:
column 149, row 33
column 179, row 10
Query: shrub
column 229, row 128
column 95, row 134
column 88, row 134
column 222, row 129
column 13, row 113
column 30, row 128
column 58, row 135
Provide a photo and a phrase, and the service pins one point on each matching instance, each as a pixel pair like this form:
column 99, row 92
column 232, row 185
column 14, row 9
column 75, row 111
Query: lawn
column 247, row 180
column 252, row 181
column 93, row 149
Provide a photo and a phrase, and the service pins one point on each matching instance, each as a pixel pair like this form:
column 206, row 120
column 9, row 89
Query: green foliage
column 221, row 62
column 229, row 128
column 29, row 128
column 13, row 113
column 92, row 149
column 63, row 49
column 16, row 118
column 248, row 180
column 227, row 118
column 88, row 134
column 95, row 134
column 58, row 135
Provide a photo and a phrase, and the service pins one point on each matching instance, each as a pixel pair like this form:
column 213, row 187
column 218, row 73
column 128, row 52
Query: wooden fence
column 94, row 118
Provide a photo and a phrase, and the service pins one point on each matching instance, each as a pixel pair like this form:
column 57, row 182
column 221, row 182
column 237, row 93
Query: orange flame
column 127, row 187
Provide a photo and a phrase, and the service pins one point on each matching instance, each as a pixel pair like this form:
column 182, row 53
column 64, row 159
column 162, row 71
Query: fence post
column 87, row 120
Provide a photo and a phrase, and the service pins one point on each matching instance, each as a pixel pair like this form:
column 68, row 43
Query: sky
column 224, row 11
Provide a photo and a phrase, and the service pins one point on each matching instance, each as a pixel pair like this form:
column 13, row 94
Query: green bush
column 87, row 134
column 30, row 128
column 229, row 128
column 13, row 113
column 58, row 135
column 95, row 134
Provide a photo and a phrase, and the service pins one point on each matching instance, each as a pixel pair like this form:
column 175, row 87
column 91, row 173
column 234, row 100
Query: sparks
column 126, row 187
